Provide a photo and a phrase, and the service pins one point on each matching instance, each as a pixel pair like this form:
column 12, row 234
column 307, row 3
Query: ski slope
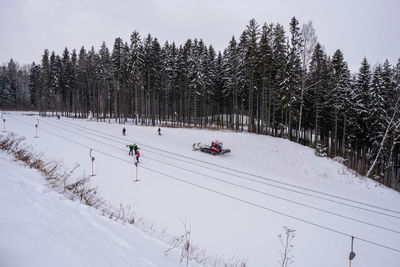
column 235, row 204
column 39, row 227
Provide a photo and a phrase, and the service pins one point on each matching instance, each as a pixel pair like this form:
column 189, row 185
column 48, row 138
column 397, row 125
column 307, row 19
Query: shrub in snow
column 321, row 150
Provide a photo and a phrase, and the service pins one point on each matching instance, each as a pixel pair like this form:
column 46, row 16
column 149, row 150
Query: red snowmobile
column 214, row 149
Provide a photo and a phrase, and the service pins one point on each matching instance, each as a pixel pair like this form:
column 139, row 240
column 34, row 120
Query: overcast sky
column 359, row 28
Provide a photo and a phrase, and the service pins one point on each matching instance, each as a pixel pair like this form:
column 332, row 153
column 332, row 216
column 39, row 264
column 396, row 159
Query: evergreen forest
column 268, row 81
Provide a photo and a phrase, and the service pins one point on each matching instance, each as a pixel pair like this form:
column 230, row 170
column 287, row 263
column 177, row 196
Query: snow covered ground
column 235, row 204
column 39, row 227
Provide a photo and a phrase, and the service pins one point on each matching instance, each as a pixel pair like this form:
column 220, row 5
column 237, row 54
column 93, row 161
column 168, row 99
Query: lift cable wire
column 224, row 194
column 251, row 189
column 227, row 195
column 249, row 174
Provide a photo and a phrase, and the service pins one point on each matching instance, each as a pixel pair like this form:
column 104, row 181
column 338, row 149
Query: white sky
column 358, row 27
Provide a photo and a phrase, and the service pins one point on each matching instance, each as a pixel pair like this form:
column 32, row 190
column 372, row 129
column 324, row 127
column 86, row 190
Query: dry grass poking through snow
column 64, row 182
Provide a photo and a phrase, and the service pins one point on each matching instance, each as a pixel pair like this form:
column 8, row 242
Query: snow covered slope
column 39, row 227
column 235, row 204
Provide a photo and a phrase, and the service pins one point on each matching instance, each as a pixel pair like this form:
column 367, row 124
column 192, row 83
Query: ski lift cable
column 248, row 188
column 230, row 196
column 250, row 174
column 235, row 175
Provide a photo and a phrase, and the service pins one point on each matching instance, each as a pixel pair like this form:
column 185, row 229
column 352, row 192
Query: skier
column 124, row 131
column 137, row 156
column 131, row 148
column 135, row 147
column 159, row 131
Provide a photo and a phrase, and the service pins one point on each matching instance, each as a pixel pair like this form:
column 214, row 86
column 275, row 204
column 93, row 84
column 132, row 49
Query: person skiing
column 124, row 131
column 135, row 147
column 131, row 148
column 159, row 131
column 137, row 156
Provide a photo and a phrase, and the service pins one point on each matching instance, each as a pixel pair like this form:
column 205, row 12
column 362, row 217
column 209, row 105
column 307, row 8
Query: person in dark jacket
column 131, row 148
column 124, row 131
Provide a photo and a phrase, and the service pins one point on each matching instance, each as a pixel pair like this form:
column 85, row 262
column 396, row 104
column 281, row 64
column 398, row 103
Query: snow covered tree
column 120, row 60
column 361, row 100
column 290, row 93
column 231, row 78
column 316, row 81
column 136, row 71
column 105, row 72
column 279, row 75
column 4, row 87
column 34, row 85
column 340, row 100
column 45, row 88
column 251, row 58
column 12, row 70
column 266, row 74
column 321, row 149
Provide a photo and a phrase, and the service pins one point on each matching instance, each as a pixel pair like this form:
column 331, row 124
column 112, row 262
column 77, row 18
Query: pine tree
column 34, row 85
column 376, row 109
column 5, row 85
column 211, row 83
column 231, row 78
column 136, row 71
column 106, row 80
column 292, row 85
column 12, row 70
column 279, row 76
column 251, row 58
column 266, row 72
column 361, row 100
column 320, row 149
column 340, row 100
column 117, row 58
column 44, row 93
column 317, row 90
column 73, row 83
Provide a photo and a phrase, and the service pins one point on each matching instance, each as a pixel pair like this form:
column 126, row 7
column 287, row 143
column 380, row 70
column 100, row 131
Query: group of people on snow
column 124, row 131
column 134, row 148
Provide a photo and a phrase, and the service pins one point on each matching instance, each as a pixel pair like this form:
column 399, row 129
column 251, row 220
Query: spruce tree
column 34, row 85
column 266, row 72
column 136, row 71
column 290, row 93
column 5, row 85
column 340, row 99
column 316, row 93
column 251, row 58
column 279, row 76
column 45, row 87
column 231, row 78
column 360, row 96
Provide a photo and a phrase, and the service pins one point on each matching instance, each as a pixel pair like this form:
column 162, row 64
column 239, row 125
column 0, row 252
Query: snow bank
column 39, row 227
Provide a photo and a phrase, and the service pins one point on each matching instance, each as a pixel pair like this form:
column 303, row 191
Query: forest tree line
column 266, row 82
